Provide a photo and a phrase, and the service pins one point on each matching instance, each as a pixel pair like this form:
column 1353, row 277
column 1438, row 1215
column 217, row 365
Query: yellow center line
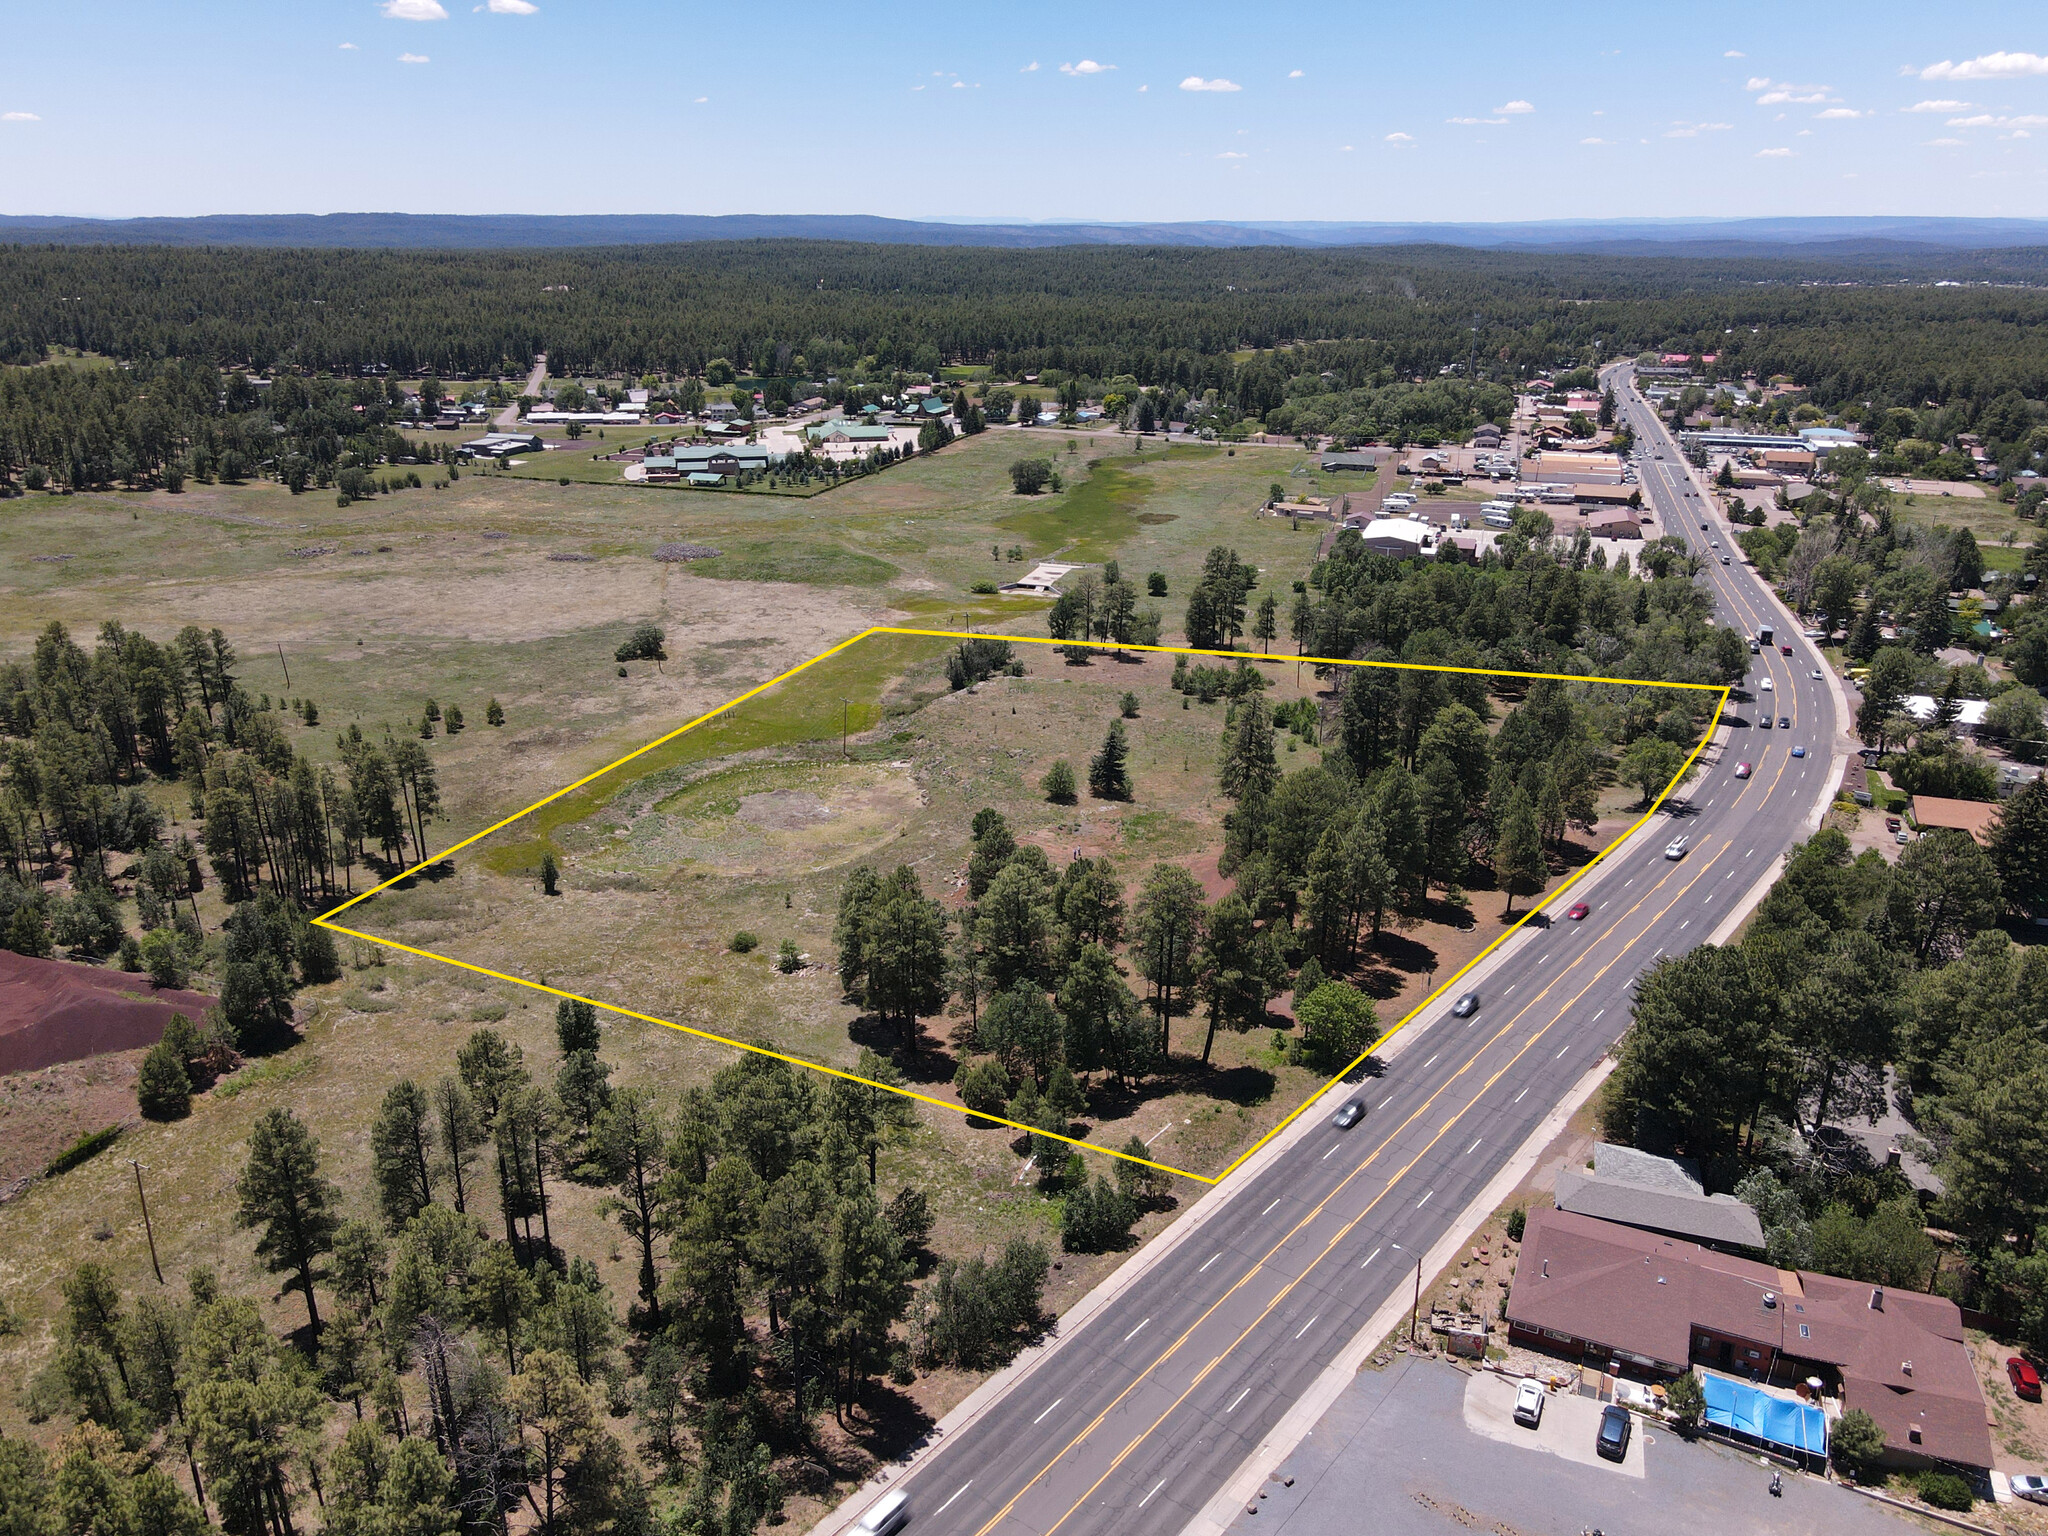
column 1322, row 1205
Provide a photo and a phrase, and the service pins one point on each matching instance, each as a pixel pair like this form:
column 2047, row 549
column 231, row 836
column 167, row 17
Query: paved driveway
column 1398, row 1456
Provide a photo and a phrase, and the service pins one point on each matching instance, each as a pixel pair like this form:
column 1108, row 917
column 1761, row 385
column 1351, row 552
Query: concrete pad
column 1569, row 1428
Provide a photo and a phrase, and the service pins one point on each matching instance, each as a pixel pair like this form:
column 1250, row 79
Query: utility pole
column 845, row 706
column 285, row 664
column 1416, row 1310
column 147, row 1229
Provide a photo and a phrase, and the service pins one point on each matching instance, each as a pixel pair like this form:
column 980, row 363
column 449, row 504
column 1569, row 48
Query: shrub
column 1155, row 584
column 1945, row 1490
column 550, row 874
column 494, row 713
column 162, row 1090
column 131, row 953
column 983, row 589
column 1030, row 476
column 163, row 958
column 984, row 1086
column 909, row 1215
column 646, row 643
column 788, row 959
column 1337, row 1022
column 1518, row 1223
column 1096, row 1217
column 90, row 1145
column 1688, row 1400
column 745, row 942
column 1058, row 783
column 318, row 963
column 1857, row 1444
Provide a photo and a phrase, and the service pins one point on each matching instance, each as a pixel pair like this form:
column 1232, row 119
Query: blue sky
column 1040, row 110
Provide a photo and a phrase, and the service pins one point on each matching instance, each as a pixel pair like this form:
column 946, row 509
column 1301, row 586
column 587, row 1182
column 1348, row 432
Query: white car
column 1675, row 849
column 1529, row 1407
column 1815, row 674
column 1765, row 685
column 2031, row 1488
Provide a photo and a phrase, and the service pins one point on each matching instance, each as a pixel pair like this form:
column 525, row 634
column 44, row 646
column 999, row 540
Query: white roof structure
column 1398, row 536
column 1970, row 713
column 1042, row 580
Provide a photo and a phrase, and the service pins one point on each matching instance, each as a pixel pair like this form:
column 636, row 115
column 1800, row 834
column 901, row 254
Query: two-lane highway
column 1141, row 1416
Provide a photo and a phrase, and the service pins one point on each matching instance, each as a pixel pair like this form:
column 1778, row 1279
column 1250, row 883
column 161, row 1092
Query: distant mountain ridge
column 438, row 231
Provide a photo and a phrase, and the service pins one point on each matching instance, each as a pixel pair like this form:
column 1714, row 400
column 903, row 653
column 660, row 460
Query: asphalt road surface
column 1137, row 1421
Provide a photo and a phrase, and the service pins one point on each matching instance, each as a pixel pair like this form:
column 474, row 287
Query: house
column 841, row 430
column 1604, row 495
column 1585, row 1287
column 1580, row 468
column 502, row 445
column 1970, row 713
column 1657, row 1194
column 1975, row 817
column 1041, row 581
column 1614, row 525
column 1048, row 418
column 935, row 407
column 719, row 410
column 1823, row 440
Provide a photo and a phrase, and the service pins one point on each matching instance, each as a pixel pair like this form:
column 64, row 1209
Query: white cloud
column 1938, row 106
column 1795, row 96
column 348, row 47
column 511, row 7
column 414, row 10
column 700, row 101
column 1774, row 154
column 1143, row 89
column 1294, row 74
column 1231, row 154
column 1400, row 138
column 1988, row 66
column 1346, row 148
column 1595, row 141
column 19, row 117
column 1734, row 53
column 1515, row 109
column 1197, row 83
column 1836, row 113
column 2017, row 133
column 414, row 58
column 1945, row 143
column 1086, row 67
column 1758, row 83
column 1694, row 130
column 1478, row 122
column 1805, row 133
column 1029, row 68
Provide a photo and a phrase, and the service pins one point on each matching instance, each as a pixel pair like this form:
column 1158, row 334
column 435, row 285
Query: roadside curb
column 1322, row 1394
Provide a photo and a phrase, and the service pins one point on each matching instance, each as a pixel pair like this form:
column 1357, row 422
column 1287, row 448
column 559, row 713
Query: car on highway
column 1352, row 1112
column 1766, row 685
column 1784, row 722
column 1675, row 849
column 891, row 1512
column 1744, row 770
column 1703, row 522
column 2034, row 1490
column 1785, row 649
column 1724, row 559
column 1752, row 647
column 1763, row 723
column 2026, row 1381
column 1529, row 1403
column 1615, row 1424
column 1465, row 1006
column 1814, row 674
column 1799, row 751
column 1577, row 911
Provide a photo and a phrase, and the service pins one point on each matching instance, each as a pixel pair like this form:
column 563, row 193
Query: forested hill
column 1163, row 315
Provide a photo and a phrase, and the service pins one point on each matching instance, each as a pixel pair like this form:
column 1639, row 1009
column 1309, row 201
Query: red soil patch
column 54, row 1010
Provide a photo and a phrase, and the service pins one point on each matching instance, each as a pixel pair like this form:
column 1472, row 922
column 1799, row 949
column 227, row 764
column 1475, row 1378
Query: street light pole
column 148, row 1230
column 845, row 706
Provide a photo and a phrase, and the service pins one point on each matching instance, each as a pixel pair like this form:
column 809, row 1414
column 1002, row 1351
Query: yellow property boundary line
column 325, row 919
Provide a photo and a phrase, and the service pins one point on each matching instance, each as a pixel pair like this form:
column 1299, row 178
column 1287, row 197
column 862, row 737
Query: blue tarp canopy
column 1761, row 1416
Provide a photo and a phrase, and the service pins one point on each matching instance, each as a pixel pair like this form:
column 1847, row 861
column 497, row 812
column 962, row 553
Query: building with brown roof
column 1664, row 1304
column 1972, row 816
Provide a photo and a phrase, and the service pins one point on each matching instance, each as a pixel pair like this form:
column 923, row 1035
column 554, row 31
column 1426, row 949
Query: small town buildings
column 1657, row 1194
column 1580, row 468
column 1361, row 462
column 1602, row 1291
column 1970, row 713
column 1972, row 816
column 502, row 445
column 694, row 462
column 840, row 429
column 1041, row 581
column 1614, row 525
column 1399, row 538
column 719, row 410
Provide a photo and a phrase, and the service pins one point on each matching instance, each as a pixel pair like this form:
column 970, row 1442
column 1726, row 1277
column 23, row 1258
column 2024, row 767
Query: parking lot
column 1409, row 1452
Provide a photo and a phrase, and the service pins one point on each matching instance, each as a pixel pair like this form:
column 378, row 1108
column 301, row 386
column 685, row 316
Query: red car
column 1786, row 649
column 1578, row 910
column 2026, row 1381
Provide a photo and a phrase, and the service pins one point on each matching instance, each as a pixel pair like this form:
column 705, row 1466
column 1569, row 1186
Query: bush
column 162, row 1090
column 1096, row 1217
column 131, row 954
column 87, row 1146
column 1688, row 1401
column 1856, row 1444
column 909, row 1214
column 788, row 959
column 1058, row 783
column 1155, row 584
column 984, row 1086
column 1518, row 1223
column 494, row 713
column 318, row 963
column 1337, row 1022
column 745, row 942
column 1030, row 476
column 550, row 874
column 983, row 589
column 1944, row 1490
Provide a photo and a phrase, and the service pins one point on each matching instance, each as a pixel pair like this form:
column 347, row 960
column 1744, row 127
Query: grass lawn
column 1988, row 518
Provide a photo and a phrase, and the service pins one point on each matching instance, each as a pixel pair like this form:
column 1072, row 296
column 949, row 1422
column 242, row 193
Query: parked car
column 1902, row 839
column 1529, row 1403
column 2031, row 1488
column 1891, row 823
column 1577, row 911
column 1675, row 849
column 1615, row 1425
column 1349, row 1115
column 2026, row 1381
column 1744, row 770
column 1465, row 1006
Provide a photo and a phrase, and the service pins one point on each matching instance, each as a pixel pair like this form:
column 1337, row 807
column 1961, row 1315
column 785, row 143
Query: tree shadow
column 931, row 1062
column 888, row 1424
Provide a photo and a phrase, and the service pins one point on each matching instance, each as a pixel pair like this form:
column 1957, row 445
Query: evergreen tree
column 575, row 1026
column 1108, row 772
column 162, row 1090
column 282, row 1193
column 1518, row 856
column 401, row 1153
